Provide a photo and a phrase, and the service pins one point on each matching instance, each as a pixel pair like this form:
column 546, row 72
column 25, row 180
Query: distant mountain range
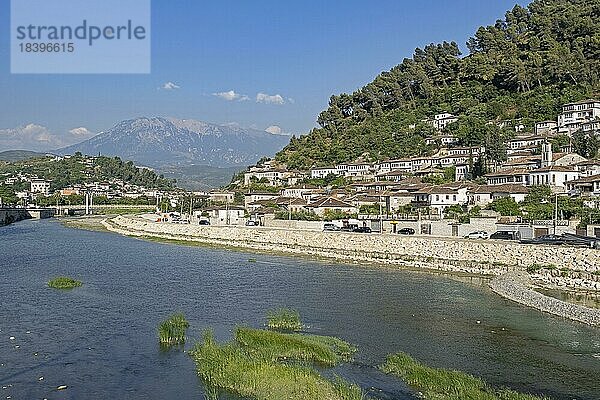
column 160, row 142
column 198, row 154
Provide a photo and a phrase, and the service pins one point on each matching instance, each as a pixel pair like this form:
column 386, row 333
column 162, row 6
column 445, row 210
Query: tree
column 505, row 206
column 559, row 142
column 8, row 196
column 585, row 144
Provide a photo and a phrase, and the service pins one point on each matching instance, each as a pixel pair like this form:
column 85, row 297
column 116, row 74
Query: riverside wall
column 10, row 215
column 516, row 286
column 451, row 254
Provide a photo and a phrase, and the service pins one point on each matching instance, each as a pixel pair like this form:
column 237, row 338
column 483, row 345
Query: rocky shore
column 516, row 286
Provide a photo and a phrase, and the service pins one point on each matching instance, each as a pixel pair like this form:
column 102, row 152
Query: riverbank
column 446, row 254
column 89, row 223
column 516, row 286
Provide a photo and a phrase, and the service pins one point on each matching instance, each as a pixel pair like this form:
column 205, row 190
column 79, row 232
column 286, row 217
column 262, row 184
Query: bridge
column 79, row 209
column 9, row 215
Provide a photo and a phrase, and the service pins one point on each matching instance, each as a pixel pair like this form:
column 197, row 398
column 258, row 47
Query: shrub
column 64, row 282
column 284, row 319
column 172, row 331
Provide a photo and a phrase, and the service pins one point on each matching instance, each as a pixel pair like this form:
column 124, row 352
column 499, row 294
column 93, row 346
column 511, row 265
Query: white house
column 359, row 170
column 485, row 194
column 546, row 127
column 555, row 176
column 273, row 177
column 40, row 186
column 404, row 164
column 575, row 114
column 300, row 191
column 322, row 172
column 330, row 204
column 584, row 186
column 221, row 197
column 225, row 215
column 440, row 197
column 523, row 142
column 592, row 126
column 253, row 197
column 440, row 121
column 517, row 175
column 588, row 168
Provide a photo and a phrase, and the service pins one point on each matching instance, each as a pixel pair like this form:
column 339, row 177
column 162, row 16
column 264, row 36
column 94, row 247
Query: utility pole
column 555, row 211
column 226, row 213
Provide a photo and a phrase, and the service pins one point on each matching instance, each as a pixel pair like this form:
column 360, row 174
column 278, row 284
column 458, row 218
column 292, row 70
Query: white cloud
column 291, row 101
column 269, row 99
column 277, row 130
column 274, row 129
column 81, row 133
column 170, row 86
column 231, row 96
column 39, row 138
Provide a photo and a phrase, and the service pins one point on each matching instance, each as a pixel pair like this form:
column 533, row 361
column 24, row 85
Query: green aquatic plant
column 275, row 346
column 172, row 331
column 271, row 366
column 284, row 319
column 64, row 282
column 444, row 384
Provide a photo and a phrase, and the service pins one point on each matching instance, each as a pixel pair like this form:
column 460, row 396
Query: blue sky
column 295, row 53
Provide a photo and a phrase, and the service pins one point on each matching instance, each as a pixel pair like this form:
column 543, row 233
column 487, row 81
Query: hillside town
column 431, row 185
column 384, row 196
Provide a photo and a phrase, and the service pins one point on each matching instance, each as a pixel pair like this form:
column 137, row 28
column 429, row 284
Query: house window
column 447, row 197
column 553, row 178
column 454, row 198
column 437, row 197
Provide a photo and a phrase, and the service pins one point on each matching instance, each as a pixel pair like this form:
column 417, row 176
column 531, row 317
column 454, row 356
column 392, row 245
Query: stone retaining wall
column 10, row 215
column 488, row 257
column 515, row 286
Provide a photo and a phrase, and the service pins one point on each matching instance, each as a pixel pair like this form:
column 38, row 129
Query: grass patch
column 172, row 331
column 269, row 365
column 443, row 384
column 276, row 346
column 64, row 282
column 284, row 319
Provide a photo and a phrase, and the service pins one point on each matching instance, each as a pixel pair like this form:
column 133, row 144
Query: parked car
column 204, row 222
column 506, row 235
column 568, row 239
column 252, row 222
column 362, row 229
column 546, row 239
column 477, row 235
column 406, row 231
column 330, row 227
column 349, row 228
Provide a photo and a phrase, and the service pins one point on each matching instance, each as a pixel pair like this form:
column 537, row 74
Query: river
column 100, row 339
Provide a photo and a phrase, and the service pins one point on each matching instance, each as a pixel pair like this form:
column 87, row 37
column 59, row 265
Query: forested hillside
column 525, row 66
column 78, row 170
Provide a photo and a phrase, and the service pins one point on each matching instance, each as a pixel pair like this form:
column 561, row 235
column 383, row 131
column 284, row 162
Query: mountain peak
column 159, row 141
